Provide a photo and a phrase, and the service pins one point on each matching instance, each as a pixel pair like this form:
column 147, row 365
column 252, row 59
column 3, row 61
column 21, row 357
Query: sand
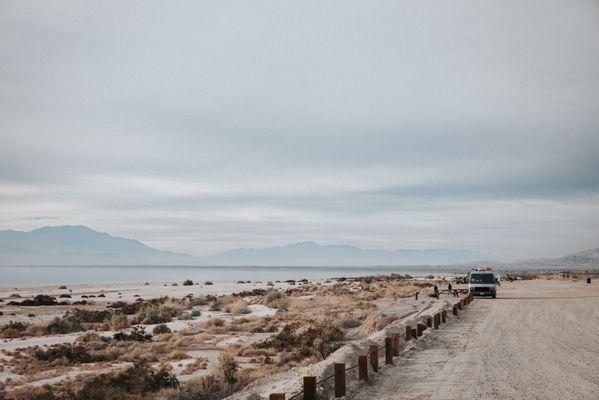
column 537, row 340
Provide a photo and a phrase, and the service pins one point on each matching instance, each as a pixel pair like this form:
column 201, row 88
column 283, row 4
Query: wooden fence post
column 408, row 332
column 276, row 396
column 362, row 367
column 388, row 350
column 420, row 328
column 436, row 321
column 429, row 322
column 309, row 388
column 374, row 357
column 339, row 380
column 444, row 316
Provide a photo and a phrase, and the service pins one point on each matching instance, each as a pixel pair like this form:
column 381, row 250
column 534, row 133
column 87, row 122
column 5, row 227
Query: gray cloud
column 207, row 125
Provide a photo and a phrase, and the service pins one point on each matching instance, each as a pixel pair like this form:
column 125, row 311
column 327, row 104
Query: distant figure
column 416, row 296
column 436, row 291
column 449, row 287
column 455, row 293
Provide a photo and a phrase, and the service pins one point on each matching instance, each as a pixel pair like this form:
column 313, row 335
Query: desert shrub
column 91, row 337
column 220, row 303
column 228, row 367
column 137, row 335
column 91, row 316
column 65, row 296
column 66, row 324
column 185, row 316
column 208, row 283
column 13, row 329
column 70, row 353
column 196, row 313
column 299, row 341
column 276, row 299
column 237, row 307
column 160, row 329
column 39, row 300
column 188, row 282
column 118, row 321
column 126, row 308
column 135, row 382
column 216, row 322
column 159, row 314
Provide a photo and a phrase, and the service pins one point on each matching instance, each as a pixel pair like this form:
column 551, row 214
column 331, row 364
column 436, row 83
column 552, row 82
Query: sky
column 200, row 126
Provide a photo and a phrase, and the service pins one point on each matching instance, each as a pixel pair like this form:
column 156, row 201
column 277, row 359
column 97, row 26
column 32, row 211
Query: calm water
column 51, row 275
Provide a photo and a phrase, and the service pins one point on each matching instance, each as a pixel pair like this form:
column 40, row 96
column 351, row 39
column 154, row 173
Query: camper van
column 483, row 282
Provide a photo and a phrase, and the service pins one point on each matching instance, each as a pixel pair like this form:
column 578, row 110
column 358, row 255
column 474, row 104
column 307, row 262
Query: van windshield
column 482, row 278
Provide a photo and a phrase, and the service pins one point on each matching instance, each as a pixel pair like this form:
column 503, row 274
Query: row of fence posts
column 391, row 350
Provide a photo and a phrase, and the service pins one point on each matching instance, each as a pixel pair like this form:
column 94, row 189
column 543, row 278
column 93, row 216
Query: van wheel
column 494, row 296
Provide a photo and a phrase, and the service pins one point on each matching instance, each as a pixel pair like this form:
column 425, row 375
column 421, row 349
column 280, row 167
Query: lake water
column 52, row 275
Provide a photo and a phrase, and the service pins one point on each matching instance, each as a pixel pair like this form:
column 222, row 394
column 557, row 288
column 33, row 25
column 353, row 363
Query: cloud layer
column 201, row 126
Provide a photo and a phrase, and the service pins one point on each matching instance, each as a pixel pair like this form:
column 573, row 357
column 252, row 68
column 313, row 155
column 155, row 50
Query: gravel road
column 537, row 340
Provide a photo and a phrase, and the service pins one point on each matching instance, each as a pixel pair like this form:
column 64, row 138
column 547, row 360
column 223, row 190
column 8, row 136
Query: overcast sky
column 206, row 125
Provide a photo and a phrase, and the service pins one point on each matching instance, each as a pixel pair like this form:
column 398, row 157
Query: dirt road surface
column 537, row 340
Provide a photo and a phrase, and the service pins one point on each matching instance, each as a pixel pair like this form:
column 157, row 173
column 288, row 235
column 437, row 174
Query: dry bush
column 161, row 329
column 134, row 383
column 237, row 307
column 221, row 302
column 119, row 321
column 302, row 342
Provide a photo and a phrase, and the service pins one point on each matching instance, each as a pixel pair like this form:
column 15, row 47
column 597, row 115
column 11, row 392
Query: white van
column 483, row 282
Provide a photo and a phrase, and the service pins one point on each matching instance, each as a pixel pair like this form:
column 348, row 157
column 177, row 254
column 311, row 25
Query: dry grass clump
column 238, row 306
column 199, row 363
column 221, row 302
column 304, row 342
column 249, row 325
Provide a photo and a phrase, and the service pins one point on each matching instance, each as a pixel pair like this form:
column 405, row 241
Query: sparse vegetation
column 160, row 329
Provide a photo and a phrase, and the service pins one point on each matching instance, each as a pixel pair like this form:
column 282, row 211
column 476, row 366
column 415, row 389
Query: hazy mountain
column 79, row 245
column 582, row 259
column 313, row 254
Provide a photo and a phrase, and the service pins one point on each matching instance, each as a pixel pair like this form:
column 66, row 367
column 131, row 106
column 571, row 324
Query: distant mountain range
column 313, row 254
column 80, row 245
